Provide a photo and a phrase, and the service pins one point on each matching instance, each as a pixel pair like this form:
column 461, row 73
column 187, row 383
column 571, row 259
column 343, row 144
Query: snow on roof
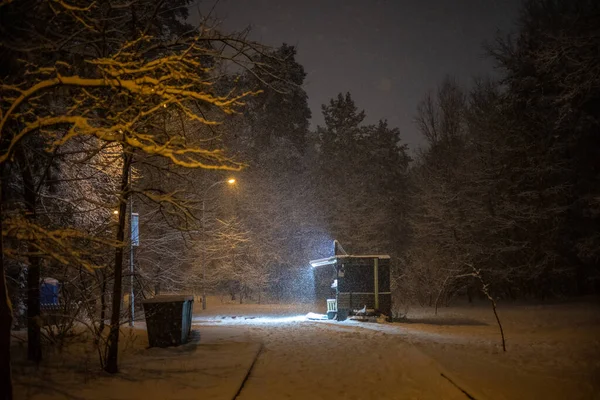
column 333, row 259
column 169, row 298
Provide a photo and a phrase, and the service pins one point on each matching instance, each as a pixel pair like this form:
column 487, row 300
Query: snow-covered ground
column 188, row 372
column 304, row 359
column 553, row 353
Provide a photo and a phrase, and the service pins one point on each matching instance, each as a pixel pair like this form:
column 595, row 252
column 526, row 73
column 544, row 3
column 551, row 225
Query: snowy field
column 553, row 353
column 304, row 359
column 192, row 371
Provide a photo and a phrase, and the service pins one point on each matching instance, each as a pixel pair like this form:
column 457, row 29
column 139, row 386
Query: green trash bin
column 168, row 319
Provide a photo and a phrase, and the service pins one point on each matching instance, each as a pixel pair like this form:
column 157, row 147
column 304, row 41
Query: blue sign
column 135, row 229
column 49, row 291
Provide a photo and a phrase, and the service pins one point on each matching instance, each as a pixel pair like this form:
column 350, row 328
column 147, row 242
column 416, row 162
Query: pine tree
column 280, row 113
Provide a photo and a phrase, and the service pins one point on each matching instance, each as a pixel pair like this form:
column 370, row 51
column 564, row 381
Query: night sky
column 387, row 53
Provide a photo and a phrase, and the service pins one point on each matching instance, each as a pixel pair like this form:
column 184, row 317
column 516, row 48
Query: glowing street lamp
column 230, row 182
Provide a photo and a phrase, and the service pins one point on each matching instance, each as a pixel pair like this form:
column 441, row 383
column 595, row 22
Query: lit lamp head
column 231, row 181
column 116, row 212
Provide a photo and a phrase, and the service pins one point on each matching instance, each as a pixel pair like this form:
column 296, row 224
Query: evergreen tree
column 342, row 127
column 280, row 113
column 553, row 92
column 361, row 171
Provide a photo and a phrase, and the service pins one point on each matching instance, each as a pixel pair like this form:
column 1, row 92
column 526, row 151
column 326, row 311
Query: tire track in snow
column 306, row 360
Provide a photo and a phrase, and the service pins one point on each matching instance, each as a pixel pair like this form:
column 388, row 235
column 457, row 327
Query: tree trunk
column 469, row 293
column 6, row 317
column 115, row 320
column 157, row 280
column 498, row 321
column 102, row 274
column 34, row 336
column 5, row 326
column 486, row 292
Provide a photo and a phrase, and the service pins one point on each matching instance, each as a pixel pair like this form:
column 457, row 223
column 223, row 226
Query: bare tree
column 237, row 261
column 121, row 94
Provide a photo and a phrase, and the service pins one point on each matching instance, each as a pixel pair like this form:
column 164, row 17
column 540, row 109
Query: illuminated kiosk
column 358, row 282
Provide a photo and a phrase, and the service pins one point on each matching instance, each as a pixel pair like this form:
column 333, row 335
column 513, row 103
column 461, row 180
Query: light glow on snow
column 250, row 319
column 281, row 320
column 258, row 319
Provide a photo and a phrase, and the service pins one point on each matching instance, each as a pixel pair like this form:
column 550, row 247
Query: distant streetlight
column 230, row 182
column 116, row 212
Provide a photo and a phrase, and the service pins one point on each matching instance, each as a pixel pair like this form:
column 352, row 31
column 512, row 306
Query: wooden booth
column 350, row 283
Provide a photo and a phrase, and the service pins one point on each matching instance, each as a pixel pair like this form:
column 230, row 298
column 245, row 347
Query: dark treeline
column 509, row 181
column 121, row 106
column 505, row 188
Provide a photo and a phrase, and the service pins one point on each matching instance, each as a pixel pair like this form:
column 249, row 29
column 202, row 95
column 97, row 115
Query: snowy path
column 315, row 360
column 209, row 371
column 553, row 352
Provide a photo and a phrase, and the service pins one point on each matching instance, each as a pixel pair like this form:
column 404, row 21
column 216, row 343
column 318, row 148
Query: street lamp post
column 229, row 181
column 134, row 238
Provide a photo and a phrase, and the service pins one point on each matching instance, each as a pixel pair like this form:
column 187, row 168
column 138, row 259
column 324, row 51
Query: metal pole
column 131, row 295
column 376, row 278
column 202, row 258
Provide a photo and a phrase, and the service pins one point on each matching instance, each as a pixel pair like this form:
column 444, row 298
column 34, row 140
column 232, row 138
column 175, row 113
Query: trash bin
column 168, row 319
